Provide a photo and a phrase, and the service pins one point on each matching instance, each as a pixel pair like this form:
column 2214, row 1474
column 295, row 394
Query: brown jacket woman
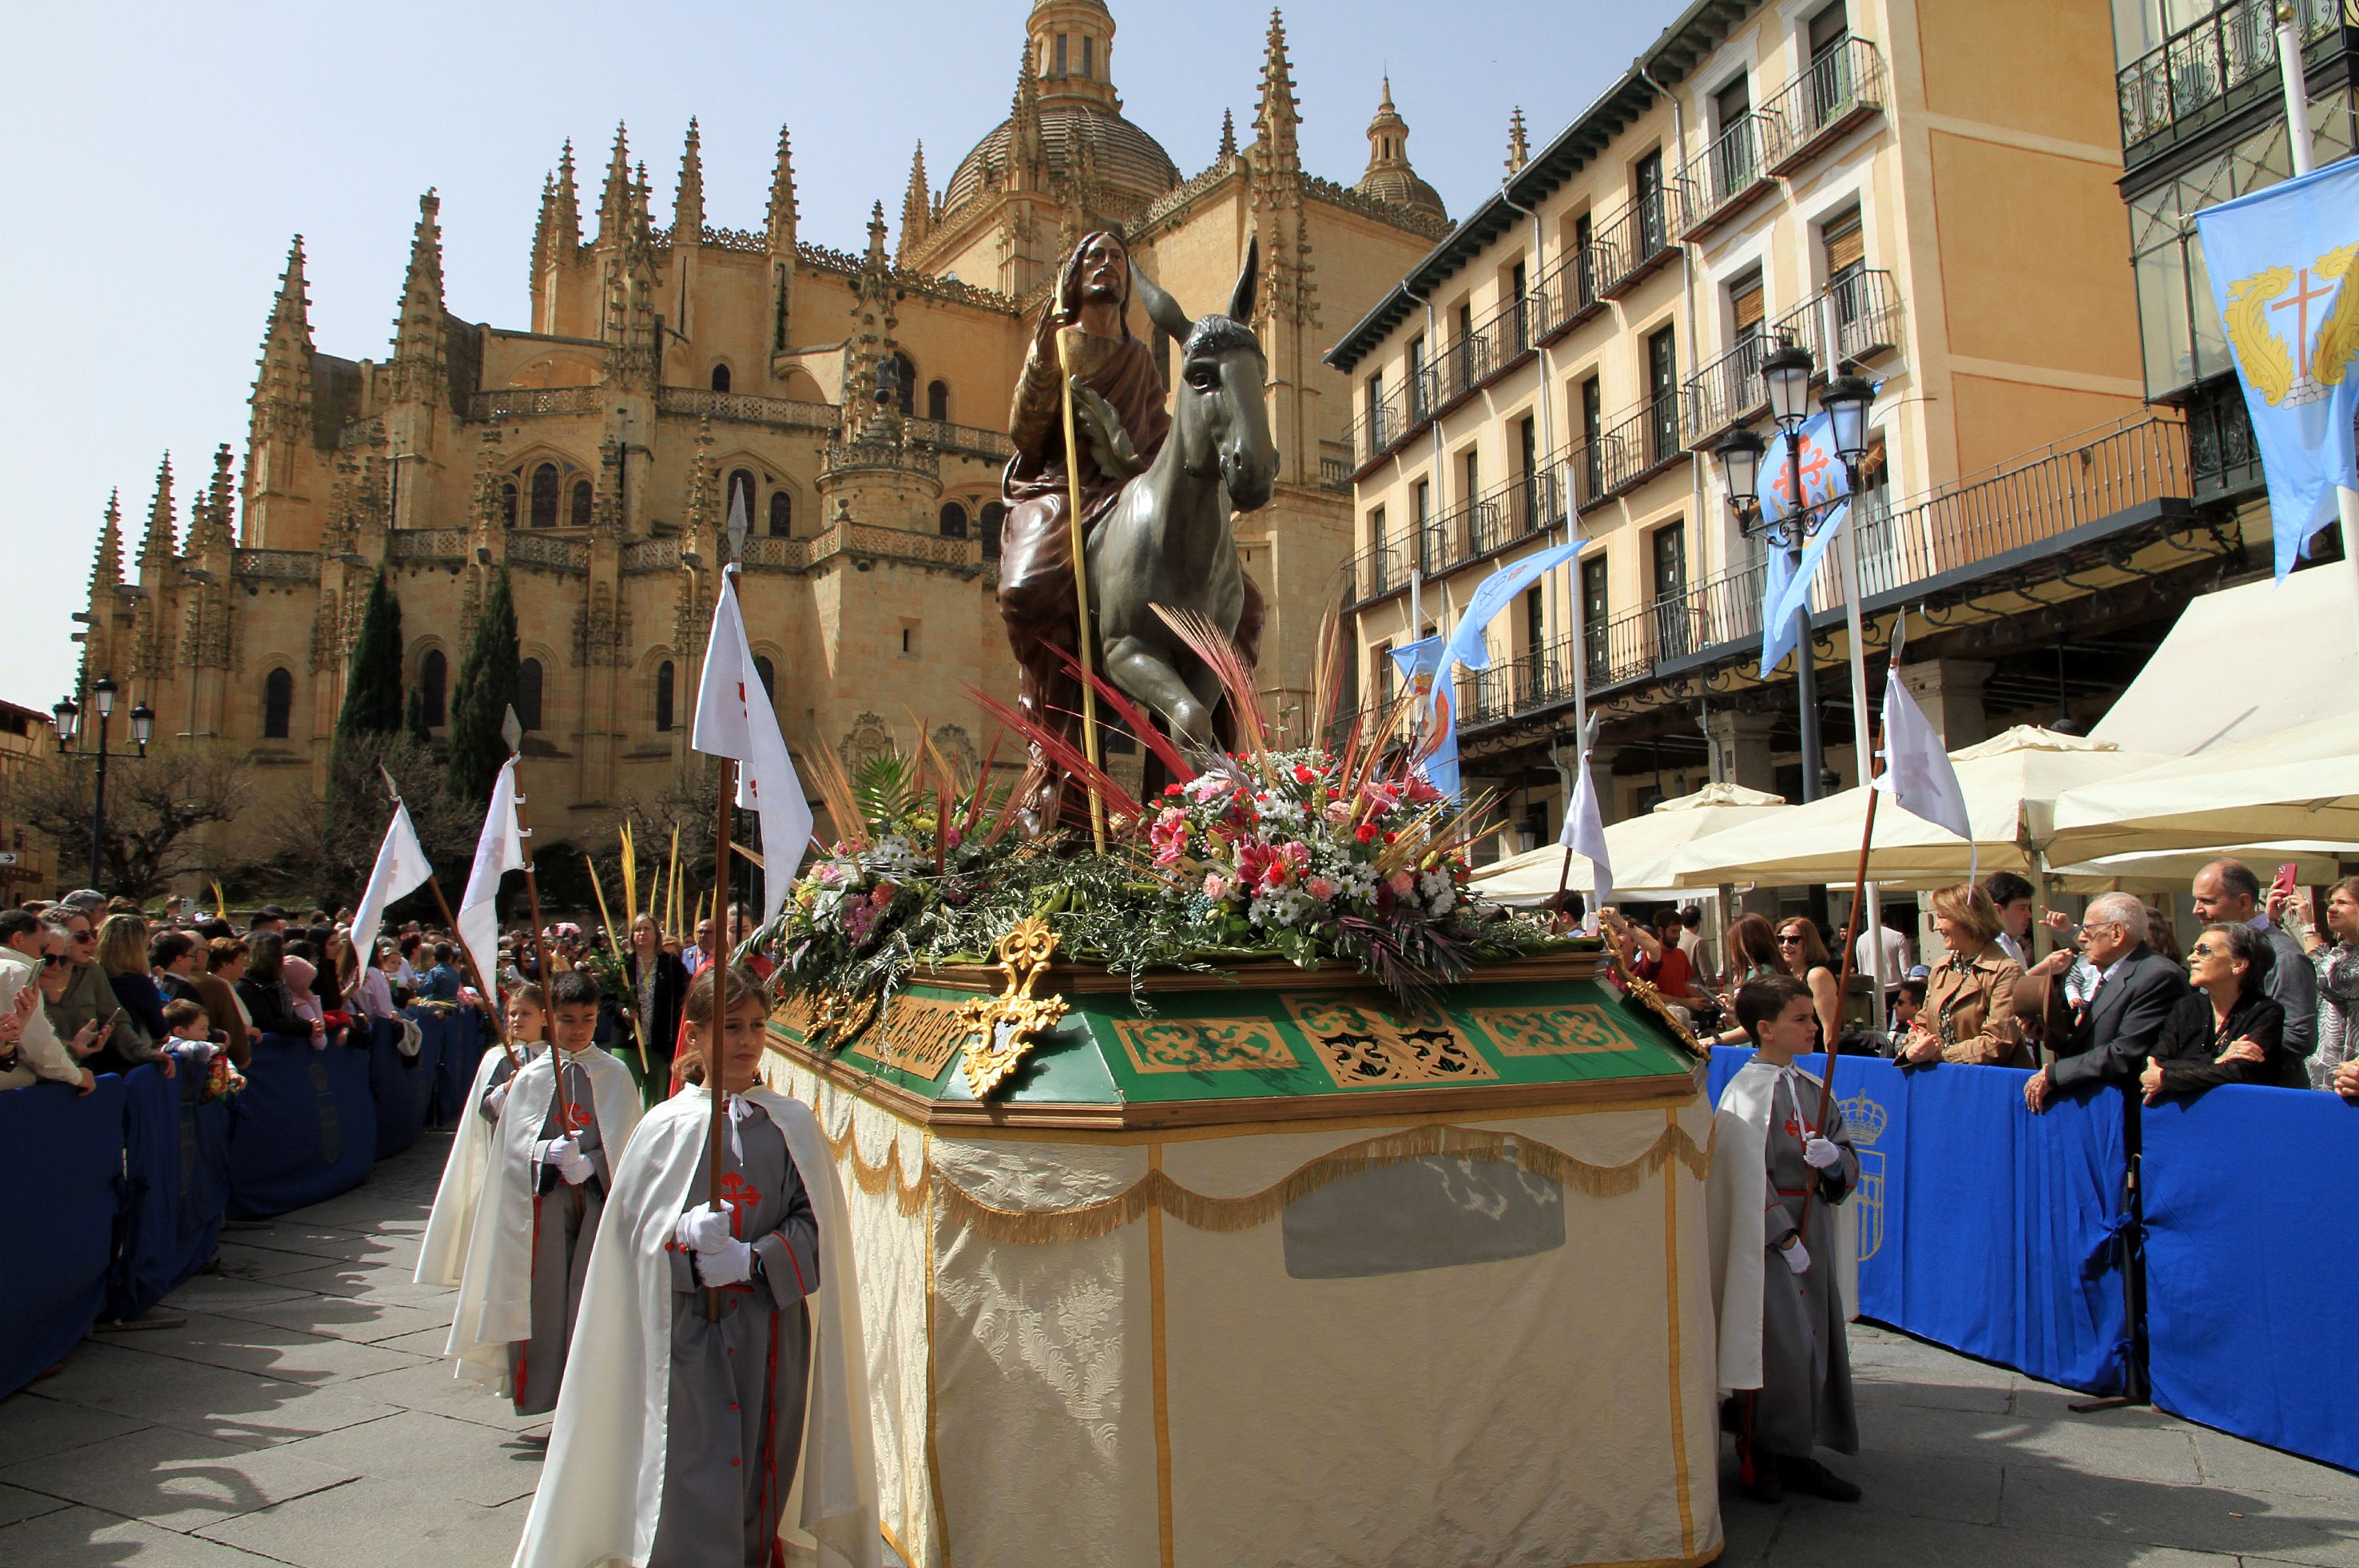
column 1968, row 1011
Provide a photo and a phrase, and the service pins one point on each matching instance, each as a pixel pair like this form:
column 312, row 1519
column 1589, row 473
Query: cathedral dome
column 1133, row 170
column 1389, row 178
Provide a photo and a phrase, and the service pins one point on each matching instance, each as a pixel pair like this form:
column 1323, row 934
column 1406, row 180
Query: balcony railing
column 1378, row 429
column 1634, row 243
column 1589, row 466
column 531, row 402
column 1334, row 472
column 1727, row 176
column 1729, row 391
column 2226, row 60
column 1465, row 365
column 1837, row 91
column 548, row 552
column 1642, row 443
column 1862, row 314
column 966, row 441
column 1569, row 293
column 746, row 409
column 419, row 545
column 1376, row 572
column 278, row 565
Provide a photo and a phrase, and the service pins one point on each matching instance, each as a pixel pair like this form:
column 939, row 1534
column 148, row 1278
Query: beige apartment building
column 1922, row 192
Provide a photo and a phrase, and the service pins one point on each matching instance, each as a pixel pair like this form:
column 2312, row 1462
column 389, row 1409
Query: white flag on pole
column 497, row 853
column 1917, row 773
column 1585, row 834
column 401, row 868
column 734, row 718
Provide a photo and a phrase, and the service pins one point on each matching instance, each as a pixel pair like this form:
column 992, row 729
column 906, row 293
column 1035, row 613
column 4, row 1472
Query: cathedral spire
column 614, row 198
column 282, row 384
column 1228, row 136
column 1277, row 120
column 565, row 231
column 544, row 227
column 688, row 206
column 642, row 202
column 1519, row 146
column 781, row 220
column 211, row 530
column 106, row 567
column 161, row 544
column 418, row 330
column 876, row 234
column 1027, row 147
column 916, row 206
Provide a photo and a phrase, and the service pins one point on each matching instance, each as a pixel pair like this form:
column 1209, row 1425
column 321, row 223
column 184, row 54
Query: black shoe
column 1814, row 1479
column 1765, row 1486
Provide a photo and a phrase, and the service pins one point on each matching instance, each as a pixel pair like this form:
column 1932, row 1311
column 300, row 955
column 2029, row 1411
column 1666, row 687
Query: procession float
column 1231, row 1184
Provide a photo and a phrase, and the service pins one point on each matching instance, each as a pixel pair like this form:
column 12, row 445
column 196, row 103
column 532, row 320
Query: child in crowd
column 1785, row 1366
column 711, row 1331
column 189, row 1035
column 561, row 1122
column 450, row 1228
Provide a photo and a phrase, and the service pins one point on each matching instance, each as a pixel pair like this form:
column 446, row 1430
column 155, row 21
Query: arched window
column 527, row 703
column 581, row 514
column 994, row 514
column 953, row 520
column 782, row 515
column 277, row 703
column 508, row 501
column 741, row 490
column 663, row 697
column 544, row 496
column 769, row 674
column 909, row 383
column 433, row 688
column 721, row 378
column 938, row 399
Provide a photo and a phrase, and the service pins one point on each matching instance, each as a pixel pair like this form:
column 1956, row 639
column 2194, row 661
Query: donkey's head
column 1222, row 414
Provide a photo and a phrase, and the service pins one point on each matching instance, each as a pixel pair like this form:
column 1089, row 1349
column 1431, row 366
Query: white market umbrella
column 2010, row 782
column 1643, row 848
column 2299, row 784
column 2173, row 870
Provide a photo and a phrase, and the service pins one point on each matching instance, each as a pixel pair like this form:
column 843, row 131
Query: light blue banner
column 1791, row 590
column 1421, row 660
column 2281, row 262
column 1467, row 644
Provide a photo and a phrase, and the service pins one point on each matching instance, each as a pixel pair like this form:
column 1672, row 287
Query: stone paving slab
column 303, row 1416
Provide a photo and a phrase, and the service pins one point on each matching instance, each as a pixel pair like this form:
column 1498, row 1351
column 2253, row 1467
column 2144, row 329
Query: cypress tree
column 413, row 721
column 481, row 695
column 373, row 682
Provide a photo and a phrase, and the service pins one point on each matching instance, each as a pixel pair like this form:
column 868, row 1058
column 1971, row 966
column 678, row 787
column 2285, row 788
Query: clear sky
column 164, row 153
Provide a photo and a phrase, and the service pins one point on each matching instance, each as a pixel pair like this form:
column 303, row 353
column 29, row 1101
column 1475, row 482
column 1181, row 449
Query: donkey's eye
column 1202, row 377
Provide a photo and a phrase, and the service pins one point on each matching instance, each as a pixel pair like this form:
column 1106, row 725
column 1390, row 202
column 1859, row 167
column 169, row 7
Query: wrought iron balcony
column 1860, row 312
column 1375, row 572
column 1465, row 365
column 1634, row 243
column 1380, row 427
column 1841, row 88
column 1642, row 443
column 1569, row 293
column 1729, row 390
column 1727, row 177
column 2210, row 70
column 1589, row 463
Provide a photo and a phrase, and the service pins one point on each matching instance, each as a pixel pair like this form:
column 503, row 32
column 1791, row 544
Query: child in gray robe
column 572, row 1177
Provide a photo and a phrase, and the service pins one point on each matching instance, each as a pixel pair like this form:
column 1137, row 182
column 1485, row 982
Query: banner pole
column 1847, row 558
column 1842, row 985
column 489, row 993
column 719, row 960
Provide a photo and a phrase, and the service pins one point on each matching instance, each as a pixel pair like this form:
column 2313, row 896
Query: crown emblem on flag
column 1862, row 1118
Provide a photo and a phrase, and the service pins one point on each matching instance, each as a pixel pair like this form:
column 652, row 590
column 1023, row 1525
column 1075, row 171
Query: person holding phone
column 2229, row 890
column 2334, row 959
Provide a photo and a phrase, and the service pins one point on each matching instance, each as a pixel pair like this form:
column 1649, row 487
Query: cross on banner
column 1816, row 462
column 2299, row 303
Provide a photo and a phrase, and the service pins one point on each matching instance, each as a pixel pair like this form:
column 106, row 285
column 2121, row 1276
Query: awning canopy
column 1643, row 848
column 2303, row 783
column 2245, row 662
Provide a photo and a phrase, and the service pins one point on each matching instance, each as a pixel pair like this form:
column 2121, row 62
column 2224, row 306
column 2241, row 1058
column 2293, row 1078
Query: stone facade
column 854, row 404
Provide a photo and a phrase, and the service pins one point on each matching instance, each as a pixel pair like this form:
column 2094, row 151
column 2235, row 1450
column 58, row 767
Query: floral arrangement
column 1307, row 853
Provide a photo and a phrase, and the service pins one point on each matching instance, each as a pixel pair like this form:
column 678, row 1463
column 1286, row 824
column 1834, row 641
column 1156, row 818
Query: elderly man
column 24, row 944
column 2227, row 891
column 1120, row 401
column 2116, row 1026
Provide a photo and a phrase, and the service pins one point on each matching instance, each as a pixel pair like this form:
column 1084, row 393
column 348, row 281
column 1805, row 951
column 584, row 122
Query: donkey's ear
column 1161, row 309
column 1241, row 303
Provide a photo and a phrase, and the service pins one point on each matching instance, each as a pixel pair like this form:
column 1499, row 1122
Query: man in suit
column 2227, row 892
column 2120, row 1022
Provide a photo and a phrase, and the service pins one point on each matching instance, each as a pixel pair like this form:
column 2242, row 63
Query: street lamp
column 1846, row 401
column 67, row 713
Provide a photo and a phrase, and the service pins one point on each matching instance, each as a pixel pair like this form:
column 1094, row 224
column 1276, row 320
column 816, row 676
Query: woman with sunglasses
column 1802, row 954
column 2226, row 1030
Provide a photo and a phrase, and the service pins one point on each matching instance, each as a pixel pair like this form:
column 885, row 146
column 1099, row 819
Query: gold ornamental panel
column 1365, row 1046
column 1204, row 1045
column 921, row 1035
column 1549, row 1032
column 997, row 1033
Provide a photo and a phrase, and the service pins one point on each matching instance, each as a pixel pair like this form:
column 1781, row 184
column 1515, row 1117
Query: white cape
column 1736, row 1199
column 603, row 1487
column 442, row 1256
column 495, row 1289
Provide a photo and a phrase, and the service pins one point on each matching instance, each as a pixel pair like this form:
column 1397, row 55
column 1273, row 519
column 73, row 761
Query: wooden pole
column 1081, row 569
column 541, row 950
column 490, row 992
column 614, row 949
column 1842, row 984
column 718, row 962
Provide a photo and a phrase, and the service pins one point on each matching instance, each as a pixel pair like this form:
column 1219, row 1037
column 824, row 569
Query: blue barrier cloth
column 148, row 1226
column 303, row 1129
column 460, row 1033
column 204, row 1178
column 2010, row 1246
column 403, row 1086
column 58, row 1227
column 2250, row 1265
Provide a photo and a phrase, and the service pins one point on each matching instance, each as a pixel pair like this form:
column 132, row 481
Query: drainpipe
column 1687, row 294
column 1416, row 527
column 1547, row 395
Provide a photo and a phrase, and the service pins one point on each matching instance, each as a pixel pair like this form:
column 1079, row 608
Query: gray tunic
column 564, row 1224
column 733, row 1427
column 1805, row 1398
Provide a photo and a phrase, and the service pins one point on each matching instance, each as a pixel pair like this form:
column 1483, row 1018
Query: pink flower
column 1210, row 786
column 1168, row 836
column 1381, row 798
column 1216, row 887
column 1421, row 794
column 882, row 894
column 1402, row 883
column 1339, row 811
column 1320, row 887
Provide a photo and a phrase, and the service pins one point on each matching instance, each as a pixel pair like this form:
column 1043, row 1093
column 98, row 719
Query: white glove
column 496, row 1098
column 1796, row 1257
column 732, row 1265
column 704, row 1230
column 1819, row 1153
column 567, row 1156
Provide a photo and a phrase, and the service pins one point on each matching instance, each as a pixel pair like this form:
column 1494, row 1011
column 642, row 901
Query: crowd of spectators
column 2267, row 993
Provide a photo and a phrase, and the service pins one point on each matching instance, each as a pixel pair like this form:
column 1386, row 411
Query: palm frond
column 1211, row 644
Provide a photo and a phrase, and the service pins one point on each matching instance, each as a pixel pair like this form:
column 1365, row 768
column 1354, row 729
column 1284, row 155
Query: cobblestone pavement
column 295, row 1413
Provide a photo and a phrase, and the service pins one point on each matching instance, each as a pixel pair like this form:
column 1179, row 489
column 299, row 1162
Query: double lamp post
column 68, row 713
column 1845, row 400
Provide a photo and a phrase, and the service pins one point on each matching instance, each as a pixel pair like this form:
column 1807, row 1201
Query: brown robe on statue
column 1036, row 550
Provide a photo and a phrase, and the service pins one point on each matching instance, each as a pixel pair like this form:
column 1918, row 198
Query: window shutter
column 1747, row 301
column 1846, row 244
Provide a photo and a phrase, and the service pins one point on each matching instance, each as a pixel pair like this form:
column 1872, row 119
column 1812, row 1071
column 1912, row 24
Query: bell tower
column 1073, row 52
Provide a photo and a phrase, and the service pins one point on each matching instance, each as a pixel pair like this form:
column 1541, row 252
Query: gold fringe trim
column 884, row 1175
column 1157, row 1192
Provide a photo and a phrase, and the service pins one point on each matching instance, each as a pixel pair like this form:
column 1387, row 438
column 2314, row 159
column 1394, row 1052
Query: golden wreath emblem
column 1000, row 1030
column 2324, row 337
